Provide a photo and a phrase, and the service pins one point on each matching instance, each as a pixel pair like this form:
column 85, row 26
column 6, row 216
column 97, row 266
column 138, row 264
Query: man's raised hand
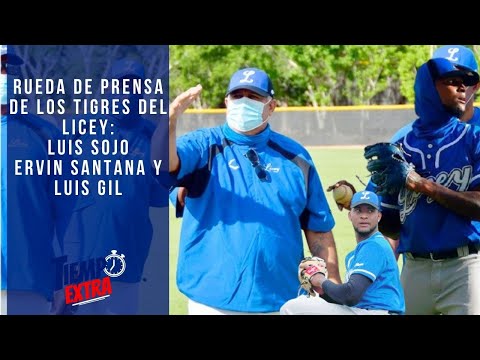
column 183, row 101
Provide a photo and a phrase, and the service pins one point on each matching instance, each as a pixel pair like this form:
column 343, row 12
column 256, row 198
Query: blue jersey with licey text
column 241, row 239
column 447, row 151
column 374, row 259
column 400, row 134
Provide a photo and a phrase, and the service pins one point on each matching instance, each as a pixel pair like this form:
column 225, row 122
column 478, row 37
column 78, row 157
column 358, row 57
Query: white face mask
column 3, row 89
column 245, row 114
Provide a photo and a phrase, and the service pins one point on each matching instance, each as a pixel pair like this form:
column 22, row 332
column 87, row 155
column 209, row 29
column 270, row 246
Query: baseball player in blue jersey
column 372, row 285
column 251, row 192
column 459, row 55
column 437, row 211
column 31, row 214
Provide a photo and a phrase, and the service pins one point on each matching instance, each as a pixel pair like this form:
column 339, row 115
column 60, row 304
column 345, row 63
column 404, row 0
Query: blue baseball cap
column 127, row 67
column 252, row 79
column 443, row 68
column 365, row 197
column 457, row 54
column 8, row 55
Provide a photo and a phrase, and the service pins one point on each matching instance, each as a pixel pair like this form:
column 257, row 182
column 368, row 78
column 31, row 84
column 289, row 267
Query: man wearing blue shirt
column 457, row 55
column 372, row 284
column 436, row 215
column 437, row 212
column 251, row 192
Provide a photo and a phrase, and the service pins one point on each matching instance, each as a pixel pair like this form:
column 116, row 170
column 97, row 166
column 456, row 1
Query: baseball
column 342, row 195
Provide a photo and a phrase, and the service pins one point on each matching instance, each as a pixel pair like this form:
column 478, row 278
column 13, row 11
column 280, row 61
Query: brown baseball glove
column 308, row 267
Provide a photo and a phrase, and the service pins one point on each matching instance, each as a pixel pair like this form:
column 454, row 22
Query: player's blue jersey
column 400, row 134
column 241, row 239
column 374, row 258
column 120, row 222
column 447, row 151
column 475, row 120
column 35, row 214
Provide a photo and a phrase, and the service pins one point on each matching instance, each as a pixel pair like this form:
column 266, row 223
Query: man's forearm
column 178, row 107
column 348, row 294
column 174, row 161
column 464, row 203
column 323, row 245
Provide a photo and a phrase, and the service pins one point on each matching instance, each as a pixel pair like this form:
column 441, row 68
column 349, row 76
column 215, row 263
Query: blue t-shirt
column 241, row 237
column 374, row 258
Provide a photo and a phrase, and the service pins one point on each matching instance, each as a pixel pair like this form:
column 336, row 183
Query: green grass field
column 333, row 164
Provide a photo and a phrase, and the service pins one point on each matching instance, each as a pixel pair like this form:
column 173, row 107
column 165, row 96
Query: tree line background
column 304, row 75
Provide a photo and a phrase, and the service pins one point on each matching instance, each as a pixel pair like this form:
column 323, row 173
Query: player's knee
column 286, row 308
column 294, row 306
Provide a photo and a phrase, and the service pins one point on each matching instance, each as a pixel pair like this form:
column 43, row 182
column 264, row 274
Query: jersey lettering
column 457, row 179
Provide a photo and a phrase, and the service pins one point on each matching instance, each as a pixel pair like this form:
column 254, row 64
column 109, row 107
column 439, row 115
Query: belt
column 461, row 251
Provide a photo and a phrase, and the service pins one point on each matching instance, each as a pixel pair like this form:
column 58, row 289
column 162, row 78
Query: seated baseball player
column 372, row 284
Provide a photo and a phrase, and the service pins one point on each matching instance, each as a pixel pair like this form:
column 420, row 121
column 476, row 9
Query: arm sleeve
column 317, row 215
column 349, row 293
column 192, row 150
